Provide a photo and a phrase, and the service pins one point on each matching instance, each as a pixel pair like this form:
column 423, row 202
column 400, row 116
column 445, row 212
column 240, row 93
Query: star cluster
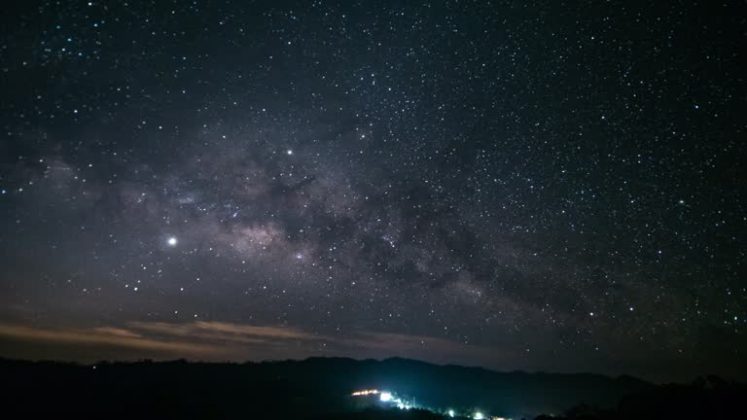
column 517, row 185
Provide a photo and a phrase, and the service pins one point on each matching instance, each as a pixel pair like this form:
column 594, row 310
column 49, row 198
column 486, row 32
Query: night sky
column 539, row 185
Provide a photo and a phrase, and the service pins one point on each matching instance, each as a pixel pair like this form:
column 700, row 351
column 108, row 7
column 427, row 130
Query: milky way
column 516, row 185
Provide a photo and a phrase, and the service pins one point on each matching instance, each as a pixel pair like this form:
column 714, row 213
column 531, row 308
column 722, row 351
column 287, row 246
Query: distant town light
column 451, row 413
column 365, row 392
column 478, row 416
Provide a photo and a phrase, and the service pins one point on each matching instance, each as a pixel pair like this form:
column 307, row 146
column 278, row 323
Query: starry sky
column 537, row 185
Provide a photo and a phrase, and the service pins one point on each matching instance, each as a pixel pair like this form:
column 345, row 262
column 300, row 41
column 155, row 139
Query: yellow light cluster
column 365, row 392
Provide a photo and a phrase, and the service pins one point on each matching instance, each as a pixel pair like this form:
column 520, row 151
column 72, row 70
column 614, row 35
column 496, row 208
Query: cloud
column 103, row 336
column 200, row 340
column 223, row 332
column 223, row 341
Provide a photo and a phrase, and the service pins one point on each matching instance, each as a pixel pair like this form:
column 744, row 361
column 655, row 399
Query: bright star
column 172, row 241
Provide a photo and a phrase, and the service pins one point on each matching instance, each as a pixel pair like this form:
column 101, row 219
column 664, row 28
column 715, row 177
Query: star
column 172, row 241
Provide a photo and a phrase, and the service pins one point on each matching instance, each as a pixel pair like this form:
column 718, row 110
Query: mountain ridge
column 320, row 386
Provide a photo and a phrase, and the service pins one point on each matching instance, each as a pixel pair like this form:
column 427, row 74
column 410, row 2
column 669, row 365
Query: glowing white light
column 172, row 241
column 478, row 416
column 385, row 396
column 289, row 152
column 452, row 413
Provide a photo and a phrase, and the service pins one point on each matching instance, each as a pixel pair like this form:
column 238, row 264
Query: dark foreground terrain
column 321, row 388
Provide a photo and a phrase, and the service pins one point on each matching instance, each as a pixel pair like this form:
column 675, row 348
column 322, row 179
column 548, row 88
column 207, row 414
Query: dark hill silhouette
column 313, row 388
column 706, row 398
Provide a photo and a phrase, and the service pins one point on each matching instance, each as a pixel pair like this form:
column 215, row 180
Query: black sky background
column 536, row 185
